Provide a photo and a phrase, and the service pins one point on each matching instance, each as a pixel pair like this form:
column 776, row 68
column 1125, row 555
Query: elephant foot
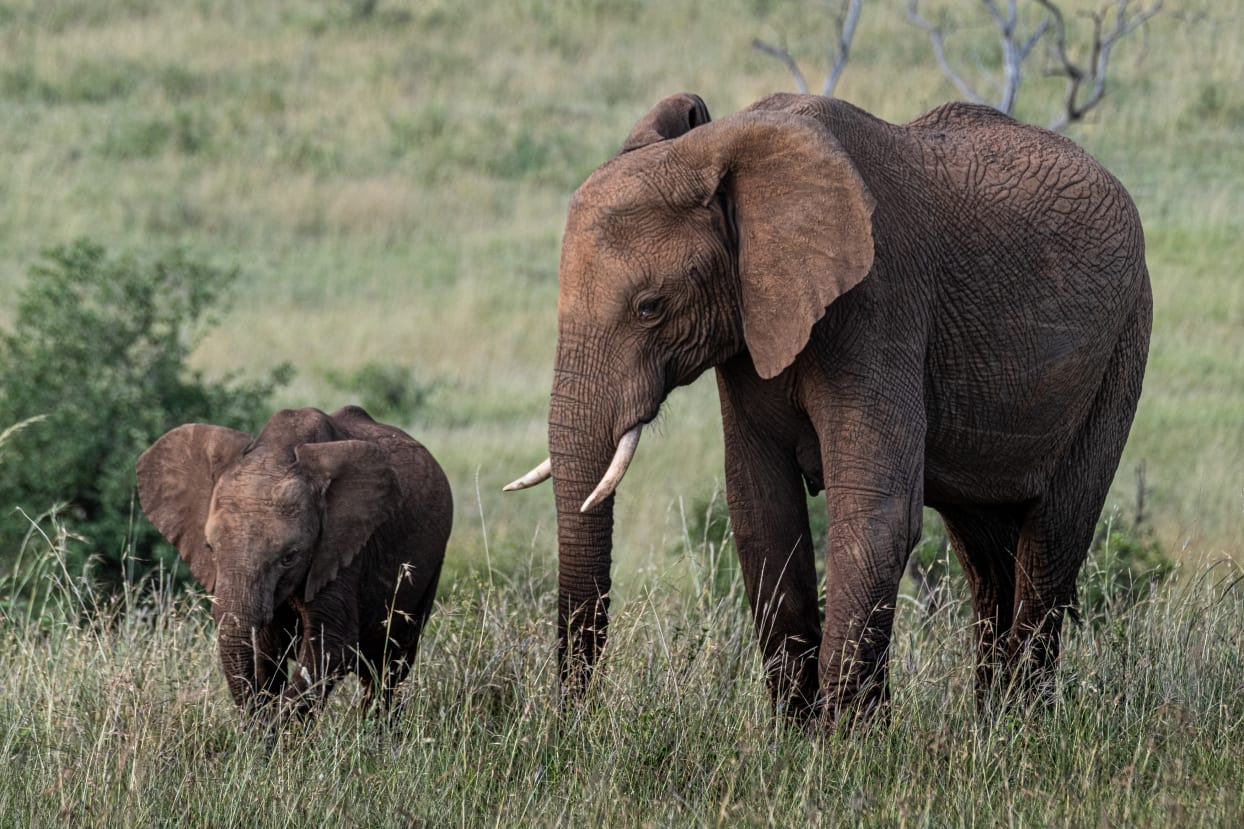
column 858, row 707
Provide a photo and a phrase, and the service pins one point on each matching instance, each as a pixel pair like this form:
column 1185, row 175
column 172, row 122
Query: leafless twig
column 846, row 18
column 1126, row 21
column 1086, row 84
column 939, row 51
column 1014, row 52
column 845, row 21
column 1015, row 49
column 801, row 83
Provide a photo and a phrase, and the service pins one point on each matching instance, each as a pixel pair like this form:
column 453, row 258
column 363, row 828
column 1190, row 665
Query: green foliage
column 1124, row 565
column 388, row 391
column 98, row 350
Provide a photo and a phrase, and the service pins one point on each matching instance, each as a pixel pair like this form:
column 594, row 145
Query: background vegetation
column 389, row 180
column 392, row 187
column 94, row 366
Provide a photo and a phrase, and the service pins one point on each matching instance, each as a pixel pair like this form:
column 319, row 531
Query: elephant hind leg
column 985, row 540
column 380, row 683
column 1059, row 527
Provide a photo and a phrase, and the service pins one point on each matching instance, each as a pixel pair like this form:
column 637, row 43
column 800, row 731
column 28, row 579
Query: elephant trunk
column 237, row 659
column 580, row 453
column 238, row 623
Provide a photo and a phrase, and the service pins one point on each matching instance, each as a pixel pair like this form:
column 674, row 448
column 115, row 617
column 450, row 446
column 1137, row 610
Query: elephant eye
column 290, row 558
column 650, row 309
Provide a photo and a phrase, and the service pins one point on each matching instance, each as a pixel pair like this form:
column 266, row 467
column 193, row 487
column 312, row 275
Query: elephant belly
column 989, row 468
column 1000, row 441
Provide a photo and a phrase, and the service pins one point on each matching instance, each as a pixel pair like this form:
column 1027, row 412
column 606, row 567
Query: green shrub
column 388, row 391
column 1124, row 564
column 98, row 348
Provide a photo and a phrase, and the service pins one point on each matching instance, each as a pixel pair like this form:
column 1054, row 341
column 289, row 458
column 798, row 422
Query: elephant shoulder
column 788, row 102
column 988, row 129
column 352, row 416
column 984, row 132
column 403, row 451
column 354, row 423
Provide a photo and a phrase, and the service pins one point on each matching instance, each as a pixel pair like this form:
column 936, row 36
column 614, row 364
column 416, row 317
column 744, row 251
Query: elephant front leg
column 326, row 652
column 862, row 573
column 769, row 514
column 874, row 507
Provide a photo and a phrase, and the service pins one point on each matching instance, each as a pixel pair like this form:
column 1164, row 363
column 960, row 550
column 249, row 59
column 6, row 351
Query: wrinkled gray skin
column 952, row 312
column 320, row 541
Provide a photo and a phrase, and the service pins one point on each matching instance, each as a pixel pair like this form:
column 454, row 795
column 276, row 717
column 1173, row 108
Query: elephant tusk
column 617, row 468
column 536, row 476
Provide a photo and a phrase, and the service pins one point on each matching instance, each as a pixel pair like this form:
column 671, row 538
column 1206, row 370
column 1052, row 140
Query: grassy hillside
column 393, row 187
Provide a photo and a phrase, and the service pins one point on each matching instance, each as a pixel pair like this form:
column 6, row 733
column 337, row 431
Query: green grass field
column 393, row 186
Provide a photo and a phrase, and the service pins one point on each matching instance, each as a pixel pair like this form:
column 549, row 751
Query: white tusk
column 617, row 468
column 536, row 476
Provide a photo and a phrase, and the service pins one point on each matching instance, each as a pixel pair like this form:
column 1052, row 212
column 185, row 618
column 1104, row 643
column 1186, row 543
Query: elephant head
column 697, row 242
column 264, row 521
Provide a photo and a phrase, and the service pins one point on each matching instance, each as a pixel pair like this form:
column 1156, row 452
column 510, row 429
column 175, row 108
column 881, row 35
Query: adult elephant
column 320, row 540
column 952, row 312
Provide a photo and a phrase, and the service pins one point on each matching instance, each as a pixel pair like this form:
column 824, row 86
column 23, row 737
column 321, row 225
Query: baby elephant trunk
column 240, row 627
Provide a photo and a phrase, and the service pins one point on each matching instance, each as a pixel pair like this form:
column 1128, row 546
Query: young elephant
column 320, row 541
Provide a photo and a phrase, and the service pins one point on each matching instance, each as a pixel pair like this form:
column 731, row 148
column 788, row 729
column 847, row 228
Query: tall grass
column 114, row 713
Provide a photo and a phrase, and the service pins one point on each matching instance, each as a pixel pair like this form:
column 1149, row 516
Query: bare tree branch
column 1086, row 83
column 1094, row 75
column 846, row 18
column 939, row 50
column 1013, row 51
column 801, row 83
column 845, row 23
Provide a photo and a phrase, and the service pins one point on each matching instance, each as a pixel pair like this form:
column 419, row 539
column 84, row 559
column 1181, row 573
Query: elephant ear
column 176, row 476
column 804, row 220
column 360, row 491
column 672, row 117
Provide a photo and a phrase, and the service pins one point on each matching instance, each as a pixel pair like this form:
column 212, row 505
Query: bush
column 98, row 349
column 388, row 391
column 1124, row 564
